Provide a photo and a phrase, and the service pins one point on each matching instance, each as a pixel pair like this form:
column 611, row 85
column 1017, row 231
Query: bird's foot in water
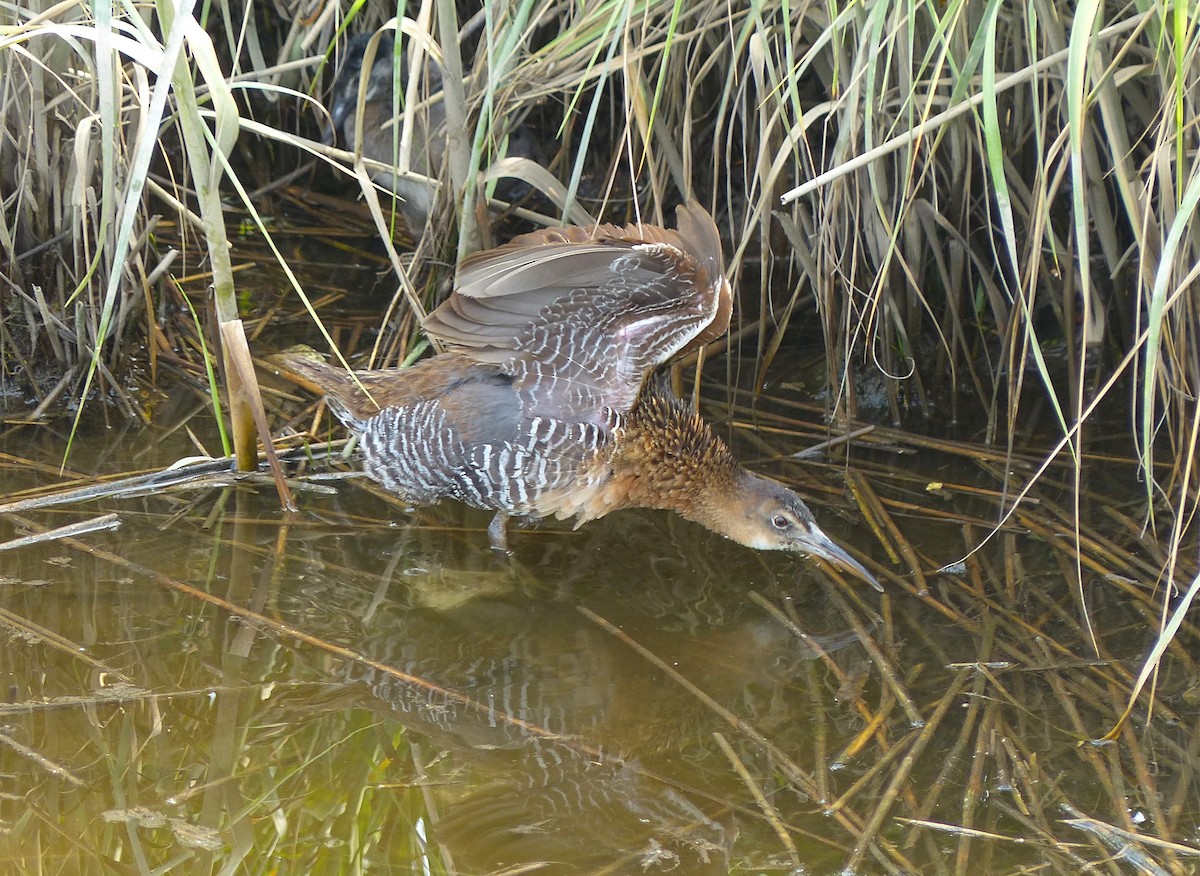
column 498, row 534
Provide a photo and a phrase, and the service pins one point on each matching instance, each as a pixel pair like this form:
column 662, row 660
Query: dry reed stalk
column 953, row 757
column 895, row 786
column 892, row 750
column 882, row 663
column 35, row 632
column 769, row 811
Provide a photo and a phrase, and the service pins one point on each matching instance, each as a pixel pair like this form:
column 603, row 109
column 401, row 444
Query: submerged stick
column 771, row 813
column 96, row 524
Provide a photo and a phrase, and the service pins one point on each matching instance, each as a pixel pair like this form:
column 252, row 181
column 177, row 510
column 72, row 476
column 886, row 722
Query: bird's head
column 765, row 515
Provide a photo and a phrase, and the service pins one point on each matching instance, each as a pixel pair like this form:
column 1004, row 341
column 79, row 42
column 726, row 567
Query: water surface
column 367, row 688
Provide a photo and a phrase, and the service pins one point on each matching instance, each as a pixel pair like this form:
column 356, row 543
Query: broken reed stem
column 882, row 522
column 31, row 631
column 819, row 738
column 819, row 449
column 973, row 792
column 875, row 728
column 900, row 777
column 878, row 766
column 105, row 521
column 52, row 767
column 772, row 815
column 881, row 661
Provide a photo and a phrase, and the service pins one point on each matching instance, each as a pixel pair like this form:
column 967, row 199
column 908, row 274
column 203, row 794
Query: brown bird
column 544, row 404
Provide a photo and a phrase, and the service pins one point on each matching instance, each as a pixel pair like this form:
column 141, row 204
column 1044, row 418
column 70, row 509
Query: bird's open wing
column 580, row 316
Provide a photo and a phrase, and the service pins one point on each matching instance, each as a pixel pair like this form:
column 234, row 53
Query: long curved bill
column 818, row 544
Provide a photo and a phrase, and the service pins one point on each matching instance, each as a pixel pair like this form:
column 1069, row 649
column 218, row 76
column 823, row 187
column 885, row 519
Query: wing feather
column 581, row 316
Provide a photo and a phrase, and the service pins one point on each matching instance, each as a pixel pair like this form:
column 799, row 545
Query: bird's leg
column 498, row 533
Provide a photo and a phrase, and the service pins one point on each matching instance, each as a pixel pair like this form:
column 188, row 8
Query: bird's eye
column 780, row 522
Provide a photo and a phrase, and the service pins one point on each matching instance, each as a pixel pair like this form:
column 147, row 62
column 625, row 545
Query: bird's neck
column 669, row 458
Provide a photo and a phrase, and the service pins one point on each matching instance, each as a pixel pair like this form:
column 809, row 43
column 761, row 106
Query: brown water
column 483, row 716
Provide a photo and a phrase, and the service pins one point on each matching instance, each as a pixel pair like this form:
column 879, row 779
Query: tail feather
column 305, row 366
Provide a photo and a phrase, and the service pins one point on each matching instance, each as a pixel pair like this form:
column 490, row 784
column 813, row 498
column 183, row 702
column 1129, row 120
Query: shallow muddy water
column 218, row 686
